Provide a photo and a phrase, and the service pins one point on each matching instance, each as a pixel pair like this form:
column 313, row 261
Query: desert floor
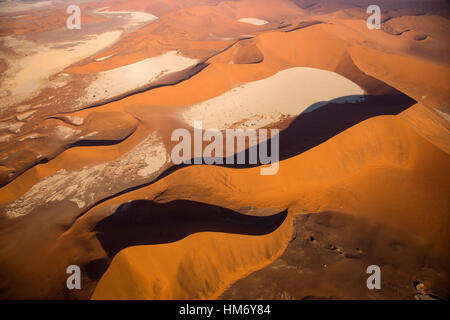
column 87, row 176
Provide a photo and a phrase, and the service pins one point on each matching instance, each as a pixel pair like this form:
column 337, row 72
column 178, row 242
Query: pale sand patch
column 103, row 58
column 64, row 132
column 30, row 137
column 16, row 127
column 254, row 21
column 18, row 6
column 25, row 115
column 31, row 71
column 90, row 135
column 259, row 103
column 135, row 19
column 60, row 81
column 5, row 138
column 82, row 186
column 73, row 120
column 13, row 127
column 23, row 108
column 124, row 79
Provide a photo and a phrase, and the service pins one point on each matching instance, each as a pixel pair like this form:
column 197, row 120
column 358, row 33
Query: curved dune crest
column 259, row 103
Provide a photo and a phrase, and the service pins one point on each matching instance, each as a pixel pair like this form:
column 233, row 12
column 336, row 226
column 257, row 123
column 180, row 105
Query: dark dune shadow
column 341, row 100
column 96, row 143
column 144, row 222
column 282, row 26
column 96, row 268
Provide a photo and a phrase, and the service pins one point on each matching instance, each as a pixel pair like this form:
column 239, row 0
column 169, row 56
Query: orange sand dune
column 187, row 270
column 381, row 158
